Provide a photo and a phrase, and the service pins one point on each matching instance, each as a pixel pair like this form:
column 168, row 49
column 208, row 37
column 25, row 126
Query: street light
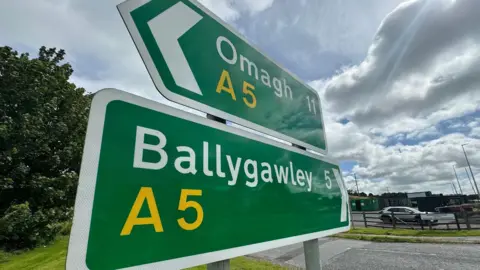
column 458, row 181
column 454, row 188
column 470, row 180
column 356, row 183
column 471, row 172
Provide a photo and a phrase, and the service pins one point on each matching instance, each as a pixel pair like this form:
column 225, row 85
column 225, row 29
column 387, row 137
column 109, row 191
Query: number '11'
column 311, row 108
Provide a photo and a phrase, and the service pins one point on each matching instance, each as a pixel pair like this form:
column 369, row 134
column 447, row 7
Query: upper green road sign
column 161, row 188
column 197, row 60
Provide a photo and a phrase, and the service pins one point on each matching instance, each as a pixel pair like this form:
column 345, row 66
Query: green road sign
column 197, row 60
column 165, row 189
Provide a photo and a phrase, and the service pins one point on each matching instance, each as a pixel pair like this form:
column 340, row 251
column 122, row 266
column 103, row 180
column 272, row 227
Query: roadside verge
column 412, row 236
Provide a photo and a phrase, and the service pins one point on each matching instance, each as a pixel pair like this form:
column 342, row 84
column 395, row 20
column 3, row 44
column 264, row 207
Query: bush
column 43, row 119
column 20, row 228
column 66, row 227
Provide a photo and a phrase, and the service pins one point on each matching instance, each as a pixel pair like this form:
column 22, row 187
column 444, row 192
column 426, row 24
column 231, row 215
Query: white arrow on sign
column 167, row 28
column 343, row 190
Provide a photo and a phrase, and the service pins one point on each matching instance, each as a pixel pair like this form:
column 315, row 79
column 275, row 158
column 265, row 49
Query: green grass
column 41, row 258
column 247, row 263
column 406, row 232
column 379, row 238
column 53, row 257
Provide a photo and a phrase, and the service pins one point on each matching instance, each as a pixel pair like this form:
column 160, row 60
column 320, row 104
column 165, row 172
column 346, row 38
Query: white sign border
column 126, row 7
column 77, row 247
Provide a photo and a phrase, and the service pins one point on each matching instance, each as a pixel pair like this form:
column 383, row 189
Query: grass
column 247, row 263
column 406, row 232
column 408, row 236
column 374, row 238
column 380, row 238
column 41, row 258
column 53, row 257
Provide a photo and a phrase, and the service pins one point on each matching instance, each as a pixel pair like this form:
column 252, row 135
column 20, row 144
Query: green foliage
column 19, row 227
column 66, row 227
column 43, row 120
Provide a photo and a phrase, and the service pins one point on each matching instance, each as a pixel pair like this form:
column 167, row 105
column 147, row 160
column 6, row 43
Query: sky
column 399, row 80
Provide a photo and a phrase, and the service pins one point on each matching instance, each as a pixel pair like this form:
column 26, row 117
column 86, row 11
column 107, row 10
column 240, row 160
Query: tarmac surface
column 352, row 254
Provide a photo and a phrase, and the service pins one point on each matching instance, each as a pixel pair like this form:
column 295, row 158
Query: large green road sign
column 166, row 189
column 196, row 60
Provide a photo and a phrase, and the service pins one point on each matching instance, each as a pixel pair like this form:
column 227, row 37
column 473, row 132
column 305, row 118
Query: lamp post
column 458, row 181
column 454, row 188
column 355, row 176
column 471, row 172
column 470, row 180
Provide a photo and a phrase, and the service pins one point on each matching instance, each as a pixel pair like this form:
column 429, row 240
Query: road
column 351, row 254
column 374, row 221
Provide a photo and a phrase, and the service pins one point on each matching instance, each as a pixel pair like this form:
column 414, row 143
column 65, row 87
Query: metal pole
column 225, row 264
column 355, row 176
column 310, row 247
column 471, row 172
column 312, row 254
column 220, row 265
column 454, row 188
column 470, row 180
column 458, row 181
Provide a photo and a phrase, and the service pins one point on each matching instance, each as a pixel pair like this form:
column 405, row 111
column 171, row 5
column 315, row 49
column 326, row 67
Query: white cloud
column 94, row 36
column 255, row 6
column 475, row 132
column 422, row 67
column 425, row 166
column 222, row 9
column 422, row 133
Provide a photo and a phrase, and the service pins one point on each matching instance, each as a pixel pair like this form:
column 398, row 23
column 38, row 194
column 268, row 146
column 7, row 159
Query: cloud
column 255, row 6
column 423, row 64
column 94, row 36
column 475, row 132
column 314, row 38
column 231, row 10
column 421, row 69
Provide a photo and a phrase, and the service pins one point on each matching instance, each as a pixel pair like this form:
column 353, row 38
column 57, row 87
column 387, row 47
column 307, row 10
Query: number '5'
column 184, row 204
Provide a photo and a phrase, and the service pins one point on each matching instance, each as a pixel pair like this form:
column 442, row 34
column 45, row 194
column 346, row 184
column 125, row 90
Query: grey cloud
column 318, row 37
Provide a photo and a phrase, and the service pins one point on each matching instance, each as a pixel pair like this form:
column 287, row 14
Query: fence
column 435, row 221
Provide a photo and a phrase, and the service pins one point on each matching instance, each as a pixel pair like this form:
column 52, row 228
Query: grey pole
column 225, row 264
column 471, row 172
column 355, row 176
column 312, row 254
column 458, row 181
column 470, row 180
column 220, row 265
column 310, row 247
column 454, row 188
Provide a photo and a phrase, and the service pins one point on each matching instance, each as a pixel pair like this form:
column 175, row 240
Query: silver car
column 402, row 213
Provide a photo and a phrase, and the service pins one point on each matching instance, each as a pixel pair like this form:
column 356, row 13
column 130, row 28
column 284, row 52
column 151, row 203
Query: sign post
column 160, row 188
column 195, row 59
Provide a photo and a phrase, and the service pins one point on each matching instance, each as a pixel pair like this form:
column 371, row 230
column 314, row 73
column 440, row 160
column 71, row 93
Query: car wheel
column 387, row 219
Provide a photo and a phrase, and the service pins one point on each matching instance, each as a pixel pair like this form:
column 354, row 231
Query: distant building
column 413, row 196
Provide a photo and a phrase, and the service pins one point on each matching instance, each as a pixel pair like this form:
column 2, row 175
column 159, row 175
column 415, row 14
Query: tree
column 370, row 195
column 43, row 120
